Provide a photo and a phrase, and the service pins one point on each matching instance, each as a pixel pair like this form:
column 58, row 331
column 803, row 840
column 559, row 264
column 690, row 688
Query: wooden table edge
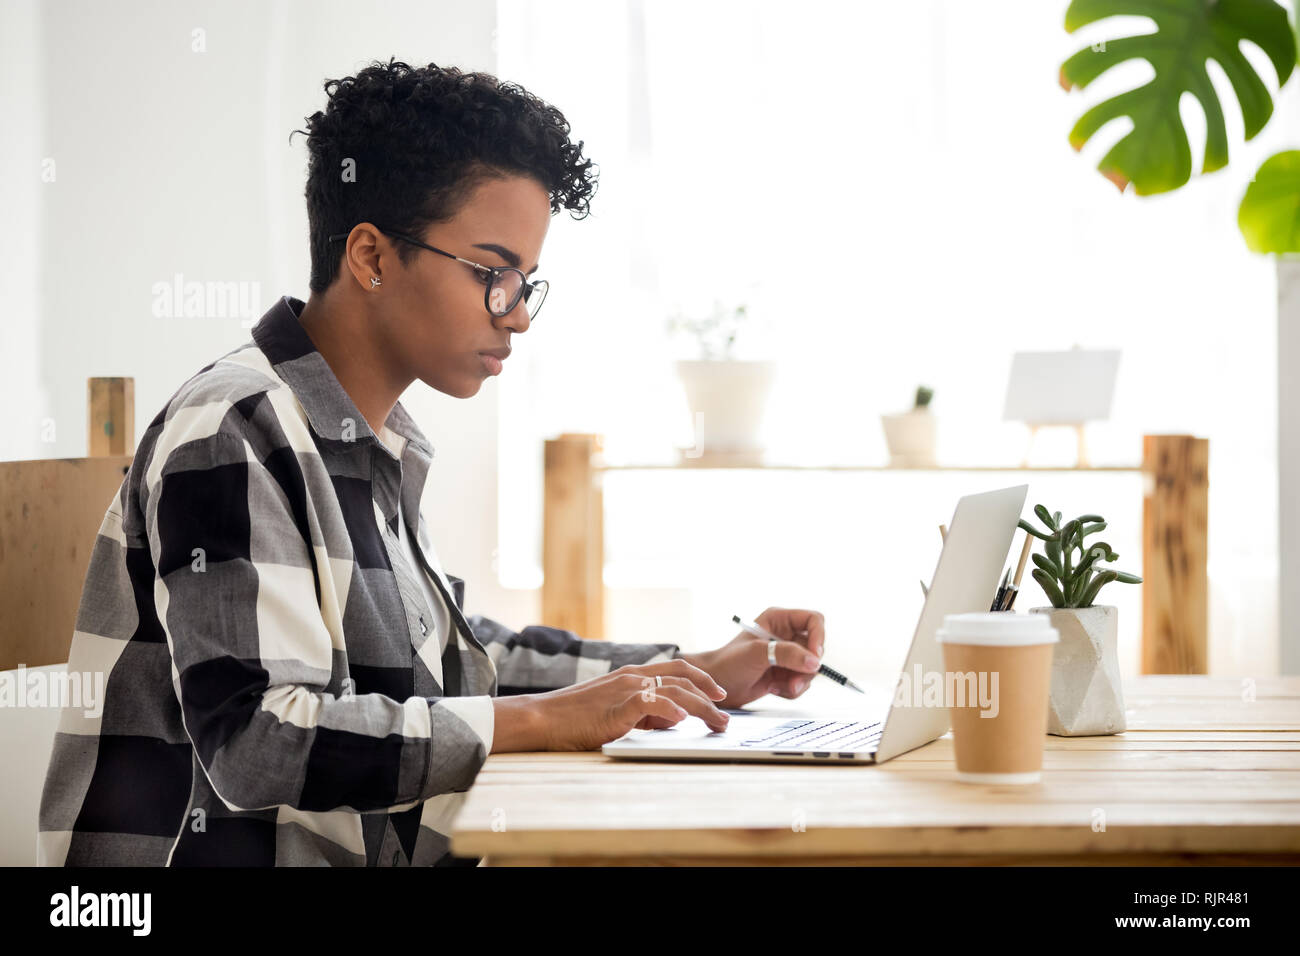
column 1022, row 859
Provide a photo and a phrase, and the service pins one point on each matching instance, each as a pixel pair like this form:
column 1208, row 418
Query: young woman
column 290, row 676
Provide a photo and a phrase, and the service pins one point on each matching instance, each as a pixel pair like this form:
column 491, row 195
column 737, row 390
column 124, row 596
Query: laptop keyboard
column 818, row 735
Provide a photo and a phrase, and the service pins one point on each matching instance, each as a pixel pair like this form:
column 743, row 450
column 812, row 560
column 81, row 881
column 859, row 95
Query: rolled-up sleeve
column 540, row 658
column 238, row 597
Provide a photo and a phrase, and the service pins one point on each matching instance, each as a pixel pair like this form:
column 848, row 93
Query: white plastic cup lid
column 997, row 627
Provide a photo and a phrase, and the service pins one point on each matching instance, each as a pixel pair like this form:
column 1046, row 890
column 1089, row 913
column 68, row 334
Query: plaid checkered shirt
column 275, row 691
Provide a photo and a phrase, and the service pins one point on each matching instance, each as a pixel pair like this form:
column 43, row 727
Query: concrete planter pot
column 1086, row 697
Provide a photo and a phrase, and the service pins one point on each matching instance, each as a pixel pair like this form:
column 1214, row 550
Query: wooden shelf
column 1175, row 486
column 776, row 466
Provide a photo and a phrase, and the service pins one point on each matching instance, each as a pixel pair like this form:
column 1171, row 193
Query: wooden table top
column 1208, row 771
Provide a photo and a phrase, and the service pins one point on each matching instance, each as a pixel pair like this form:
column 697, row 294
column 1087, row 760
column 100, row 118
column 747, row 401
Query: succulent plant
column 1067, row 581
column 923, row 396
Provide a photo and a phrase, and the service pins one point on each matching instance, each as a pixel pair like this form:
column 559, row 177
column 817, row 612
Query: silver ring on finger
column 771, row 653
column 659, row 681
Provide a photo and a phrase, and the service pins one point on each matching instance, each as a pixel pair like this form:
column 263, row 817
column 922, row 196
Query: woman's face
column 435, row 319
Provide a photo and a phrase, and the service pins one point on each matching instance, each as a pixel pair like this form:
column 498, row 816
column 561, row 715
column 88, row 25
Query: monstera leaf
column 1269, row 216
column 1155, row 156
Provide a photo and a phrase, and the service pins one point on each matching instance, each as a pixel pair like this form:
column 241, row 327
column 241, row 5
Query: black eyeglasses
column 505, row 285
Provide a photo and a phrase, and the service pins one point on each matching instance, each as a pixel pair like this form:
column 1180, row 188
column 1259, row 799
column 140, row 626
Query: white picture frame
column 1061, row 388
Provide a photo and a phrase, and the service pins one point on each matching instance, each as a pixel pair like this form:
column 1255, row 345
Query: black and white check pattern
column 275, row 691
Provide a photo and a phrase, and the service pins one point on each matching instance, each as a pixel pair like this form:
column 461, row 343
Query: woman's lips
column 491, row 363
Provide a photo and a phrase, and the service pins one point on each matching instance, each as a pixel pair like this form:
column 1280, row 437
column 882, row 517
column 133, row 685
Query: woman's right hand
column 584, row 716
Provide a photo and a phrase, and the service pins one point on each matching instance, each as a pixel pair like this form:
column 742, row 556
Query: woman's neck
column 341, row 333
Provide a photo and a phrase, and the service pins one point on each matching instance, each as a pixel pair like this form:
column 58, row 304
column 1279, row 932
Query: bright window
column 889, row 189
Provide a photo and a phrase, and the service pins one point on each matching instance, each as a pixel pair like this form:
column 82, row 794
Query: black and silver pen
column 824, row 670
column 1002, row 591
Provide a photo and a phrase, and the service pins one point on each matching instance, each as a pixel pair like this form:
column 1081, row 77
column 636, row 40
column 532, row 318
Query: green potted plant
column 1155, row 156
column 910, row 435
column 727, row 396
column 1086, row 695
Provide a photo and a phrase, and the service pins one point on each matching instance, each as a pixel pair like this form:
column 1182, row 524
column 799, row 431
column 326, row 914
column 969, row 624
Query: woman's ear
column 367, row 252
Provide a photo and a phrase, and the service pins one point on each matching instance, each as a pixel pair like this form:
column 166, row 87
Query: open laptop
column 965, row 580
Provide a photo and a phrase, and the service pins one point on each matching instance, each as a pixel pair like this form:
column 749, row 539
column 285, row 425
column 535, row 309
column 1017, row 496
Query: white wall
column 1288, row 525
column 1287, row 533
column 21, row 106
column 174, row 161
column 26, row 742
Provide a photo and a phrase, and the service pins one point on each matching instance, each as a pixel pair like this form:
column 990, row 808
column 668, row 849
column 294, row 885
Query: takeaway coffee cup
column 1003, row 663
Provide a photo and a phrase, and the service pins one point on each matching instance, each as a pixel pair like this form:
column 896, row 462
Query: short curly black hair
column 419, row 141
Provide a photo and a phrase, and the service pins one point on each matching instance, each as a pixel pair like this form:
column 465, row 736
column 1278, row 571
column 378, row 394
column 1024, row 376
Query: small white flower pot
column 1086, row 697
column 910, row 437
column 728, row 400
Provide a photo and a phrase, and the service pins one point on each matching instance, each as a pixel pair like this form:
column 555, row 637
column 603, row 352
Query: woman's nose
column 517, row 318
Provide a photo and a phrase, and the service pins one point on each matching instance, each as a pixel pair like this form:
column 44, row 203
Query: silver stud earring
column 374, row 282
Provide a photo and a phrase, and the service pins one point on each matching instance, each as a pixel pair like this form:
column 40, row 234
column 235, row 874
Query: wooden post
column 1174, row 533
column 573, row 537
column 111, row 420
